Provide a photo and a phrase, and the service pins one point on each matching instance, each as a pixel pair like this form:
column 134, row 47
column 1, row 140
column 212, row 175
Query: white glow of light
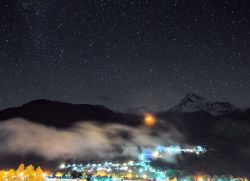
column 62, row 166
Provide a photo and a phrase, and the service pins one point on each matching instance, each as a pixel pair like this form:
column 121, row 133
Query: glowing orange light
column 199, row 178
column 149, row 120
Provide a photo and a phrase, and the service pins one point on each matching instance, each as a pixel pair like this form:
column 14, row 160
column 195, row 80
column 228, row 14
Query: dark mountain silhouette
column 64, row 114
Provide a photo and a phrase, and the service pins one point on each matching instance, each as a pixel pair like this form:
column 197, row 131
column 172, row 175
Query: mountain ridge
column 193, row 103
column 42, row 109
column 60, row 114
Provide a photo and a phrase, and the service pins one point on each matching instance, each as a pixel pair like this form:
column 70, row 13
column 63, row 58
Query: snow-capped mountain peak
column 193, row 103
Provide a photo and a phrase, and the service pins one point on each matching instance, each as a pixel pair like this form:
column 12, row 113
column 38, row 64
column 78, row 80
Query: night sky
column 124, row 53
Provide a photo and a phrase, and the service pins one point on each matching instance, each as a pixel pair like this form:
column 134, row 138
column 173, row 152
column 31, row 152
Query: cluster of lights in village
column 108, row 171
column 132, row 170
column 23, row 173
column 142, row 169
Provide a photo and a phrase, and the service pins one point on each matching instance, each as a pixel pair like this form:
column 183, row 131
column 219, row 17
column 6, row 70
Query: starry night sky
column 124, row 53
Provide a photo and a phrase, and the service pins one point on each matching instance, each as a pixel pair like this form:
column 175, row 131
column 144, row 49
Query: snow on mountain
column 193, row 103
